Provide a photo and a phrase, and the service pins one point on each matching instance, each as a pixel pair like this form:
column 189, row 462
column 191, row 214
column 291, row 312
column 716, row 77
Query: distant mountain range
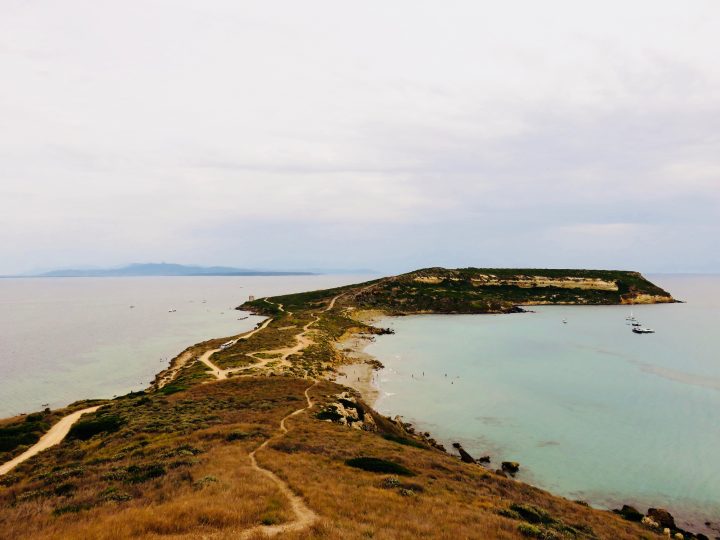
column 166, row 269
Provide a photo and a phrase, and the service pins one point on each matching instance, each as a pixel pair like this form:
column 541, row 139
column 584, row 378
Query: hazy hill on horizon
column 166, row 269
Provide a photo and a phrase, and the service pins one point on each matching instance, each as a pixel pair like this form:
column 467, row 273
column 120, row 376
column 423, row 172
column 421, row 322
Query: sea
column 589, row 409
column 66, row 339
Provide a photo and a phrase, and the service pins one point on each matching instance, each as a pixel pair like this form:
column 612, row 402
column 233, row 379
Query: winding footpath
column 304, row 516
column 302, row 342
column 222, row 373
column 54, row 436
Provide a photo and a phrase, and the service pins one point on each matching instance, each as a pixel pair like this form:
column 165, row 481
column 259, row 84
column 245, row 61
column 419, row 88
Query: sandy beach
column 361, row 372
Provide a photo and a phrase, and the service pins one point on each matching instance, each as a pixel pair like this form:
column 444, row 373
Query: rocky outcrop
column 646, row 299
column 347, row 411
column 630, row 513
column 662, row 517
column 464, row 456
column 510, row 466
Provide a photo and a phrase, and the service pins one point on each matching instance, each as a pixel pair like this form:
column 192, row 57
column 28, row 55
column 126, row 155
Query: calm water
column 588, row 408
column 64, row 339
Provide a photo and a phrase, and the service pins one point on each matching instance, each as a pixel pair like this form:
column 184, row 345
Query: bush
column 531, row 513
column 530, row 530
column 404, row 441
column 71, row 509
column 172, row 389
column 85, row 429
column 372, row 464
column 138, row 475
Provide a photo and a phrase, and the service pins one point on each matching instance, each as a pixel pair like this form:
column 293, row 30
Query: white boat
column 642, row 330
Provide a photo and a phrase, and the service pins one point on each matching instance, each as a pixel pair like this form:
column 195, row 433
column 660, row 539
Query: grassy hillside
column 177, row 466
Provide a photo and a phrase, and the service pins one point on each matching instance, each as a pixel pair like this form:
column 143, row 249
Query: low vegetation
column 178, row 465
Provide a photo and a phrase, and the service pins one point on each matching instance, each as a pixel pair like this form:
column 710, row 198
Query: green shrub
column 511, row 514
column 404, row 440
column 85, row 429
column 139, row 474
column 114, row 494
column 378, row 465
column 172, row 389
column 530, row 530
column 531, row 513
column 70, row 509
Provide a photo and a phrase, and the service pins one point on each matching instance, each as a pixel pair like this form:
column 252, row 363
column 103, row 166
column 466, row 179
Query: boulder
column 484, row 459
column 662, row 517
column 464, row 456
column 630, row 513
column 510, row 466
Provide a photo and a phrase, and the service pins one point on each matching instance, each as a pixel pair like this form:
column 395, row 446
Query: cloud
column 416, row 133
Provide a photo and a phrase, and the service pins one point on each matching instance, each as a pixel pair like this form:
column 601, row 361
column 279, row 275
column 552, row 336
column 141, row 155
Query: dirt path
column 222, row 373
column 304, row 516
column 54, row 436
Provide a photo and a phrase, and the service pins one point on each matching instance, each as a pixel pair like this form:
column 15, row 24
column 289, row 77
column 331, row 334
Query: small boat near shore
column 642, row 330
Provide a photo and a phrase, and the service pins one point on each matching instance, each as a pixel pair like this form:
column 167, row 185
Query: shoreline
column 360, row 375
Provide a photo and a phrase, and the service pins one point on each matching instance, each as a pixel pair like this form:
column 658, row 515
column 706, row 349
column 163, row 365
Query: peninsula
column 248, row 436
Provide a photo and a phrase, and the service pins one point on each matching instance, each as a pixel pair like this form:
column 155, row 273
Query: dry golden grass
column 208, row 489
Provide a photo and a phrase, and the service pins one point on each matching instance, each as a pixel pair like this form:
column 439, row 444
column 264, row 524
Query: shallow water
column 64, row 339
column 588, row 408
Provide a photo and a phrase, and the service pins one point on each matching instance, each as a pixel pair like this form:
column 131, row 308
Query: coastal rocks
column 383, row 331
column 649, row 522
column 510, row 466
column 630, row 513
column 464, row 456
column 348, row 412
column 662, row 517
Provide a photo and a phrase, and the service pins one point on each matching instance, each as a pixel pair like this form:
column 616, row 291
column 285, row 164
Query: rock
column 679, row 536
column 666, row 532
column 510, row 466
column 484, row 459
column 464, row 456
column 662, row 517
column 650, row 522
column 500, row 472
column 630, row 513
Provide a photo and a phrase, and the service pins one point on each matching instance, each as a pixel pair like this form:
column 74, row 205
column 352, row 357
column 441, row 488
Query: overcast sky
column 374, row 134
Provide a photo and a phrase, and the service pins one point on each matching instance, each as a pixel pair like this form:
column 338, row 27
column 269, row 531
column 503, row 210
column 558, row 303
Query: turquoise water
column 588, row 408
column 64, row 339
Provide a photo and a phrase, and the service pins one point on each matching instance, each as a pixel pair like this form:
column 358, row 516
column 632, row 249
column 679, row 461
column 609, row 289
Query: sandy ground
column 359, row 374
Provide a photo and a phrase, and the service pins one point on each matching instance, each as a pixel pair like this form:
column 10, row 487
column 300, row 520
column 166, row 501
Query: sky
column 382, row 135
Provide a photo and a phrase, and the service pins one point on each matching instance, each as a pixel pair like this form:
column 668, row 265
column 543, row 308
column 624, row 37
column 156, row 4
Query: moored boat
column 642, row 330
